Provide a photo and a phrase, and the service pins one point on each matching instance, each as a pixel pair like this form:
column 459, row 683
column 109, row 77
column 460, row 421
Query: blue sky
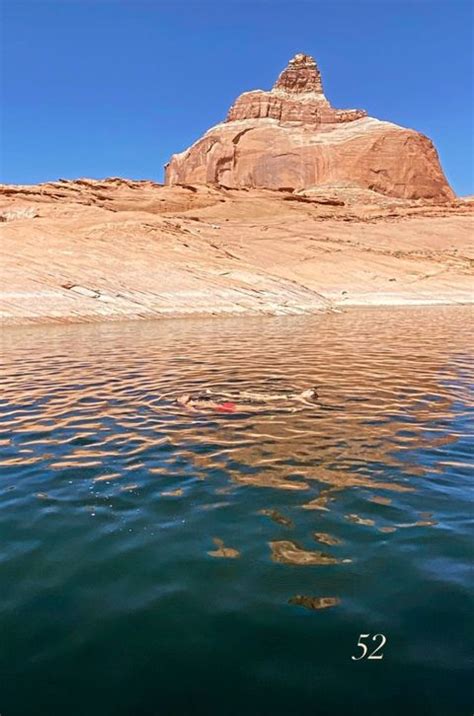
column 114, row 87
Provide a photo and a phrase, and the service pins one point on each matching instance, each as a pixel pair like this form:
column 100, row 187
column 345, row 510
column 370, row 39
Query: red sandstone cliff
column 291, row 137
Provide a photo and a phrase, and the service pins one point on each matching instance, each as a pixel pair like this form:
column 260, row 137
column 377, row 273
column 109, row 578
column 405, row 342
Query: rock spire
column 297, row 96
column 300, row 76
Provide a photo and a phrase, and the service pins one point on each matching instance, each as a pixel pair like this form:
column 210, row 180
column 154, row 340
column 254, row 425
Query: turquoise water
column 156, row 561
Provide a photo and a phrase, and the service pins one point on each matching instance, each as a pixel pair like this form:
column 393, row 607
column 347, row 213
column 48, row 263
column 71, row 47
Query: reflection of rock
column 224, row 490
column 325, row 538
column 346, row 478
column 314, row 602
column 173, row 493
column 222, row 550
column 265, row 480
column 420, row 523
column 387, row 529
column 360, row 520
column 379, row 500
column 288, row 552
column 277, row 517
column 320, row 502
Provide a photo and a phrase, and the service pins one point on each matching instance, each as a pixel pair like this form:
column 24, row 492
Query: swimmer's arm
column 263, row 397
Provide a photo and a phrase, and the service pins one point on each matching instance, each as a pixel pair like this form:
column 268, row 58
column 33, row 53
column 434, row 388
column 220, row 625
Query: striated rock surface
column 291, row 137
column 112, row 249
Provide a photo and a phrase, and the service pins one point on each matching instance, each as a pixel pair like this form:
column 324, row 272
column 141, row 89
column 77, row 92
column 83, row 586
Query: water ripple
column 114, row 500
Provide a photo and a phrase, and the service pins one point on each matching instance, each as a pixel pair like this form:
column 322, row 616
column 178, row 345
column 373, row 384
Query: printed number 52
column 365, row 650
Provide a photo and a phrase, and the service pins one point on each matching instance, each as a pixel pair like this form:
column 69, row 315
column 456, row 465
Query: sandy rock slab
column 100, row 250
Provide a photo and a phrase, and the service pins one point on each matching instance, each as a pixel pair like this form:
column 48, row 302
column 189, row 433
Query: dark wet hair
column 203, row 397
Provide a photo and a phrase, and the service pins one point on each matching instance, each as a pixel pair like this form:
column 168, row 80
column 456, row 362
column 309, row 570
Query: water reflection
column 289, row 552
column 128, row 504
column 222, row 550
column 102, row 398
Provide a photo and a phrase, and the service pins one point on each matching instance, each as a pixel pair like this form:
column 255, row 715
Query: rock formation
column 292, row 138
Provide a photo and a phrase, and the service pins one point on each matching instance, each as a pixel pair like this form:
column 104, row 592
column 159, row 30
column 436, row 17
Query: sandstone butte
column 373, row 223
column 291, row 137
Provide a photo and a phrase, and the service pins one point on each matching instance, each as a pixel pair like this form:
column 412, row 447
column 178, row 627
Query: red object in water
column 226, row 407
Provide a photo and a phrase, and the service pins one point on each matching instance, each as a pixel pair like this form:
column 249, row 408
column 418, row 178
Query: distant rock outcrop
column 291, row 137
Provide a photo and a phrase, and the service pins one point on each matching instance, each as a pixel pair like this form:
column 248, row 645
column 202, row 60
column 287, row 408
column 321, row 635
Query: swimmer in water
column 224, row 402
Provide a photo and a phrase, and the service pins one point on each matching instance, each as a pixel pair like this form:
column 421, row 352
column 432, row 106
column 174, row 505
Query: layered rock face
column 296, row 97
column 292, row 138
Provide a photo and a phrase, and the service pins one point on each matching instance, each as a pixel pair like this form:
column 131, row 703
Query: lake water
column 157, row 561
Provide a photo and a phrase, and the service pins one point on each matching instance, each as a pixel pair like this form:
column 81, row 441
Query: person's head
column 310, row 394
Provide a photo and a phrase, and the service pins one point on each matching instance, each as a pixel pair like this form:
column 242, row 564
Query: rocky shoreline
column 116, row 249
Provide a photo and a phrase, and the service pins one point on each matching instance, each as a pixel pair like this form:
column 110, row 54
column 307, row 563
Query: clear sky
column 113, row 87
